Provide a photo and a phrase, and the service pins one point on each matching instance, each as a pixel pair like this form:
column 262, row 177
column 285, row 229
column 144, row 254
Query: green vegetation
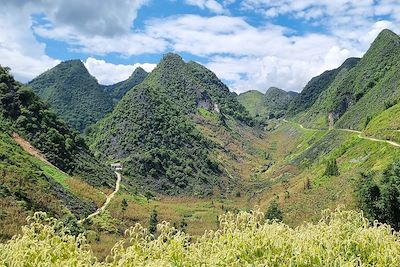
column 359, row 93
column 218, row 92
column 341, row 238
column 118, row 90
column 159, row 147
column 273, row 104
column 331, row 168
column 386, row 125
column 273, row 212
column 28, row 185
column 379, row 196
column 253, row 101
column 153, row 221
column 152, row 129
column 315, row 87
column 73, row 94
column 24, row 113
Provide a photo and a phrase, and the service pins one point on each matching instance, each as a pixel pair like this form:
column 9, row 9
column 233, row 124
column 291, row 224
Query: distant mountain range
column 273, row 104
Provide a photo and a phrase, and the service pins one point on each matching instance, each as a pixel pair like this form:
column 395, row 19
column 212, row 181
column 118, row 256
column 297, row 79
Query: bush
column 331, row 168
column 273, row 212
column 380, row 198
column 340, row 238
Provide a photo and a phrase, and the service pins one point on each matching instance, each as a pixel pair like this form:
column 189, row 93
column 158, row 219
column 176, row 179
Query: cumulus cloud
column 108, row 73
column 20, row 50
column 211, row 5
column 247, row 56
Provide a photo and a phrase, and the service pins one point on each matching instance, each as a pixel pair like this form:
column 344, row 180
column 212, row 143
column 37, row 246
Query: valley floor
column 295, row 178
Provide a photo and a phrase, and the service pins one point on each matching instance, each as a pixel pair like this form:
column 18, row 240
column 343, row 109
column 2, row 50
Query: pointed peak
column 384, row 38
column 171, row 57
column 350, row 62
column 72, row 62
column 386, row 33
column 139, row 69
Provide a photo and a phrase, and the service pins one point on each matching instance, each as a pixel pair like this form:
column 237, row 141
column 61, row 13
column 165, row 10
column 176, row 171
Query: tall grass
column 340, row 238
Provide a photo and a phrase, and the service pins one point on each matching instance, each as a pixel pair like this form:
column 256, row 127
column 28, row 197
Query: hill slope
column 272, row 104
column 360, row 93
column 73, row 94
column 153, row 130
column 118, row 90
column 253, row 101
column 32, row 119
column 44, row 182
column 315, row 87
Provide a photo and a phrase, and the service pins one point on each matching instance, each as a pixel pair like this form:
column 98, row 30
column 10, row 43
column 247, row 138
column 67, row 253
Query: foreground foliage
column 340, row 238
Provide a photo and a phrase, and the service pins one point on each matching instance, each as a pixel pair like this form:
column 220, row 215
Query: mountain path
column 25, row 145
column 357, row 132
column 108, row 200
column 30, row 149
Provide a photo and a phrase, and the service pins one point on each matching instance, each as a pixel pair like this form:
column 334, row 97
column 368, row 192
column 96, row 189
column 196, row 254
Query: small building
column 117, row 166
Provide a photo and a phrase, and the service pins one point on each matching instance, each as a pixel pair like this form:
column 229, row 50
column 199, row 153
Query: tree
column 183, row 225
column 331, row 168
column 273, row 212
column 153, row 222
column 380, row 198
column 124, row 205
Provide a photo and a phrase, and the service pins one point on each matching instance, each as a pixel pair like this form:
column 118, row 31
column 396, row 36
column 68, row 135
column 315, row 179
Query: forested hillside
column 118, row 90
column 73, row 94
column 27, row 115
column 159, row 128
column 358, row 94
column 315, row 87
column 29, row 184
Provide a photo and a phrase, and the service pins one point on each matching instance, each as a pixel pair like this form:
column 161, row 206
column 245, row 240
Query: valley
column 196, row 155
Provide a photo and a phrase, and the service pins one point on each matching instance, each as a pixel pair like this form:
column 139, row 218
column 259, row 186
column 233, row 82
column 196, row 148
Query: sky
column 249, row 44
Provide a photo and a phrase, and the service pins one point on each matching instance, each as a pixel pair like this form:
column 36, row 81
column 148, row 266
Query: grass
column 340, row 238
column 59, row 176
column 386, row 125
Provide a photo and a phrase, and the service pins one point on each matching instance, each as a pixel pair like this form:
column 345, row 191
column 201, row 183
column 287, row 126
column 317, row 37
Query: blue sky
column 250, row 44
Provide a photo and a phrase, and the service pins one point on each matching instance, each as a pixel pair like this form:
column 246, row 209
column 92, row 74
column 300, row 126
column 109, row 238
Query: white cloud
column 211, row 5
column 19, row 49
column 108, row 73
column 245, row 55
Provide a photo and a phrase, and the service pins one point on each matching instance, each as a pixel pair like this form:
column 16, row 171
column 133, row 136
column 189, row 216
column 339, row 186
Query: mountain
column 278, row 100
column 153, row 129
column 44, row 165
column 272, row 104
column 315, row 87
column 253, row 101
column 118, row 90
column 73, row 94
column 358, row 94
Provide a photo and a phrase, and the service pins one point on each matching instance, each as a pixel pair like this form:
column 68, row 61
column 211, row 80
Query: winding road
column 354, row 131
column 108, row 200
column 371, row 138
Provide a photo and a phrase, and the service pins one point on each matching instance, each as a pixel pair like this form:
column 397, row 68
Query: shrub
column 273, row 212
column 340, row 238
column 331, row 168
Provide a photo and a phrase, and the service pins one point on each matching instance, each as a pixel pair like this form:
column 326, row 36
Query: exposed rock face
column 205, row 101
